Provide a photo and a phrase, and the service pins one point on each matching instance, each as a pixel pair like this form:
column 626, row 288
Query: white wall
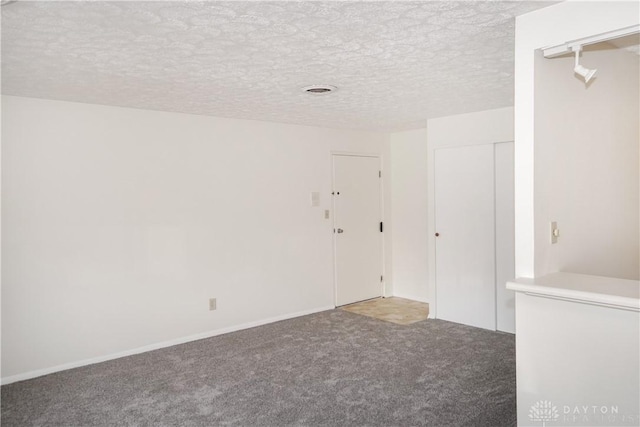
column 550, row 26
column 120, row 224
column 483, row 127
column 586, row 164
column 409, row 206
column 553, row 25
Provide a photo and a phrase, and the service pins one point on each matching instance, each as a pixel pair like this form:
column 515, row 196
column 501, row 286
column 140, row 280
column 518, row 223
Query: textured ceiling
column 395, row 63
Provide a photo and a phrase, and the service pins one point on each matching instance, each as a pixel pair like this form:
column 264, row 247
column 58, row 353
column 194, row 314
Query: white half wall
column 484, row 127
column 120, row 224
column 409, row 206
column 587, row 140
column 549, row 26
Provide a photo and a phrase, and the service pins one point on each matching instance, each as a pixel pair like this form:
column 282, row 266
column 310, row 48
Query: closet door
column 465, row 235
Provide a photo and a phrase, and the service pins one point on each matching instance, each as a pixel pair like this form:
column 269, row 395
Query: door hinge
column 381, row 278
column 381, row 227
column 379, row 174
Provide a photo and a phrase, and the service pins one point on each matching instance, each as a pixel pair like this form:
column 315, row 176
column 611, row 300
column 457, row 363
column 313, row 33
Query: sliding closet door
column 465, row 230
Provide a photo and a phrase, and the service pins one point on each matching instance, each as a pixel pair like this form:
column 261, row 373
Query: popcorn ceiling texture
column 395, row 63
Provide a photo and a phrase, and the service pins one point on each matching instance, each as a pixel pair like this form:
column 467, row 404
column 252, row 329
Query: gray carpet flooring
column 327, row 369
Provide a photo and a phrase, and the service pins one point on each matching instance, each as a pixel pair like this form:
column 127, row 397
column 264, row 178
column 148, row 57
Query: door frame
column 378, row 156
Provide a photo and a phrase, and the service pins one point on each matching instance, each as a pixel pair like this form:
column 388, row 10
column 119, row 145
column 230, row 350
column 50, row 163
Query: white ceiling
column 395, row 63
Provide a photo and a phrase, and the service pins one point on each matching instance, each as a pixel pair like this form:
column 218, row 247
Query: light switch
column 315, row 198
column 555, row 232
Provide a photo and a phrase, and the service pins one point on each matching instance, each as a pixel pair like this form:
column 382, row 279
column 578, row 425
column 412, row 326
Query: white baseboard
column 156, row 346
column 411, row 297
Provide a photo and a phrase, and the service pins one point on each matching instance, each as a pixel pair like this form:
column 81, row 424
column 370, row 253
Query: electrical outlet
column 212, row 304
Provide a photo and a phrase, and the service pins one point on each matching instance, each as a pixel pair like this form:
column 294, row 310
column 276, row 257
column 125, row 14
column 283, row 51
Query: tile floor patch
column 393, row 309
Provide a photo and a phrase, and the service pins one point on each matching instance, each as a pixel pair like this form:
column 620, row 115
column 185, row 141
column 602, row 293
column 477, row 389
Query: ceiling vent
column 319, row 89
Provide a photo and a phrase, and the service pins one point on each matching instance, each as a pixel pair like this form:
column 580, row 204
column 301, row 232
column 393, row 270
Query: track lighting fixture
column 586, row 73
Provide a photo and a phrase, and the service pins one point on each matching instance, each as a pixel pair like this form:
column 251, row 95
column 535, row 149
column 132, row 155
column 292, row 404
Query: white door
column 465, row 242
column 505, row 238
column 357, row 237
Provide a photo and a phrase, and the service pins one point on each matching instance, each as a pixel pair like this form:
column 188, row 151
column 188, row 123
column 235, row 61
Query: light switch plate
column 315, row 198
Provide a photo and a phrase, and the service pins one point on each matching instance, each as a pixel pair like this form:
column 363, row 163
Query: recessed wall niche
column 586, row 157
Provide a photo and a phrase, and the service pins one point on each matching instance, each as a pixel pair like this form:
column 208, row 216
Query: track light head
column 586, row 73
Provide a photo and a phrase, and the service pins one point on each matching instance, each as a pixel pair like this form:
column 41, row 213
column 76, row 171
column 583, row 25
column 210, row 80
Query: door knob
column 340, row 230
column 437, row 234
